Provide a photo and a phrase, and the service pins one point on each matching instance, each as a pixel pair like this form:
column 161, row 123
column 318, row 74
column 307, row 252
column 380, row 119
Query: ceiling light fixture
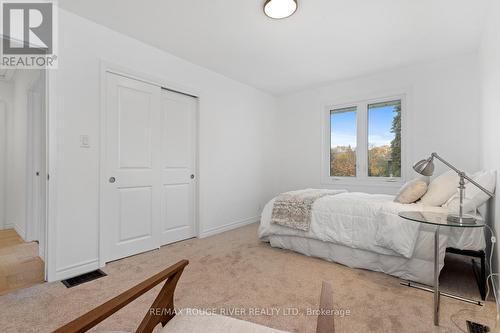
column 279, row 9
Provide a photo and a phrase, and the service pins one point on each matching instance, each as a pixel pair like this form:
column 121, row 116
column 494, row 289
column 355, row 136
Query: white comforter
column 358, row 220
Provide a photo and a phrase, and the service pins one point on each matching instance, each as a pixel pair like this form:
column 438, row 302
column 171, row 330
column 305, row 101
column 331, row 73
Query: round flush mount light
column 279, row 9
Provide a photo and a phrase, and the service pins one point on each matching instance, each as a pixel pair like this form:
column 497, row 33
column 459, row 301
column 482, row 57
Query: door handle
column 192, row 176
column 112, row 180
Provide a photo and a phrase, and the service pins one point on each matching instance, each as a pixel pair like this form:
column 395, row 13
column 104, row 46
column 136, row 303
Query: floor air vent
column 87, row 277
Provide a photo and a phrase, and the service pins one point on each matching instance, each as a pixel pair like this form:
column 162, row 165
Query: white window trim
column 362, row 177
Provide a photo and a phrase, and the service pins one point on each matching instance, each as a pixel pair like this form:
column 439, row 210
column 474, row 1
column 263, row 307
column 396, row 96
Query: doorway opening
column 23, row 178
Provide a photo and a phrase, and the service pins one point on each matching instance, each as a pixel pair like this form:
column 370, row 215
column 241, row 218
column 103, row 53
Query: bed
column 362, row 230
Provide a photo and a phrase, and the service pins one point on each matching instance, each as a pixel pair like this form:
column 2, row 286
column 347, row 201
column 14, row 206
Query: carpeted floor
column 234, row 270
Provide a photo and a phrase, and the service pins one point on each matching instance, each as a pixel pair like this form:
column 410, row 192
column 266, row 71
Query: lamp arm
column 448, row 164
column 462, row 174
column 491, row 194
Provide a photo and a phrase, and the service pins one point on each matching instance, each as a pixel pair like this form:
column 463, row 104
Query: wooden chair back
column 162, row 310
column 164, row 302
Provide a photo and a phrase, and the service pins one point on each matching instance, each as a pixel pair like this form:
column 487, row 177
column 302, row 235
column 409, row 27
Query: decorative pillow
column 474, row 197
column 411, row 191
column 441, row 189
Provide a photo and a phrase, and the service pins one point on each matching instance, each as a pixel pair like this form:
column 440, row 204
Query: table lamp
column 426, row 168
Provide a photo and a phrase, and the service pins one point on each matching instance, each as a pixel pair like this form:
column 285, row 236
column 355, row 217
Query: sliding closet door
column 132, row 192
column 178, row 119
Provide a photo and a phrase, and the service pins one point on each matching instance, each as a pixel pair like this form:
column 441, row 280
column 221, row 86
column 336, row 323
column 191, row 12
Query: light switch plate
column 84, row 141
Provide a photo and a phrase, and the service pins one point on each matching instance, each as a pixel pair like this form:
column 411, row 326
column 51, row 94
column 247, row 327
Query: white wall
column 442, row 116
column 6, row 98
column 17, row 150
column 234, row 133
column 3, row 160
column 490, row 94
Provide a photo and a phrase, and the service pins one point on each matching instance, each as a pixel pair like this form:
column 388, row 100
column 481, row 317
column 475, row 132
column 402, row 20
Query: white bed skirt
column 420, row 268
column 344, row 230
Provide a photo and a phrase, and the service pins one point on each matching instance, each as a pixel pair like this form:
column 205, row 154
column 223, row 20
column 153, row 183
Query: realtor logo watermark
column 29, row 34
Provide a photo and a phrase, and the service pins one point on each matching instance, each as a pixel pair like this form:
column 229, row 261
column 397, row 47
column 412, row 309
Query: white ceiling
column 324, row 40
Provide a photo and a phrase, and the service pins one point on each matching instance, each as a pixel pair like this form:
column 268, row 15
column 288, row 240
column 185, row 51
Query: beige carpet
column 234, row 270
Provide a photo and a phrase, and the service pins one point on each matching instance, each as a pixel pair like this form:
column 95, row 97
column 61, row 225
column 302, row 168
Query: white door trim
column 51, row 167
column 33, row 194
column 31, row 199
column 3, row 169
column 107, row 67
column 33, row 230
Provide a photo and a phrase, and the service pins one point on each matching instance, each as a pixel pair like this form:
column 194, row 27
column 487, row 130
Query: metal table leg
column 436, row 277
column 438, row 220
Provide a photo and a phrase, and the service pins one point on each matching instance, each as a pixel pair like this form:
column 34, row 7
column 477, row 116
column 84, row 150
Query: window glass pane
column 343, row 142
column 384, row 139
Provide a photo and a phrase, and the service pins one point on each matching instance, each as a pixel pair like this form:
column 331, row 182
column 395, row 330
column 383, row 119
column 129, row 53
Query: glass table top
column 439, row 219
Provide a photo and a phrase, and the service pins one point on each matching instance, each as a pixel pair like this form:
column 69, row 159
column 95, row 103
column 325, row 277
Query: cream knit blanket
column 294, row 209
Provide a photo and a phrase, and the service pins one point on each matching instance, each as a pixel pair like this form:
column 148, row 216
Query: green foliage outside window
column 384, row 160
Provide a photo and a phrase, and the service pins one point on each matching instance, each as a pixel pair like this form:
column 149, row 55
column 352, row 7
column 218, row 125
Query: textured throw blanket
column 293, row 209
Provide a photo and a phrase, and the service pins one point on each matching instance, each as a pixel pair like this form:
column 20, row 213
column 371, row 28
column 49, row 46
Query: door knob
column 112, row 180
column 192, row 176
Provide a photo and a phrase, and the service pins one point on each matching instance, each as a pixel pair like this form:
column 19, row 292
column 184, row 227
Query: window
column 343, row 142
column 365, row 140
column 384, row 139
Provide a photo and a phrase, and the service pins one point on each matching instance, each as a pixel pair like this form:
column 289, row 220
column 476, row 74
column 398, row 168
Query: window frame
column 362, row 177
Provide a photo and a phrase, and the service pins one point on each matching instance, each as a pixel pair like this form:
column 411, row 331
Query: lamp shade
column 278, row 9
column 425, row 167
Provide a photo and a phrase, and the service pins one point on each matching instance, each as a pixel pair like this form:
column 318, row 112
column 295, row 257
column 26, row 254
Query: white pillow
column 474, row 197
column 411, row 191
column 441, row 189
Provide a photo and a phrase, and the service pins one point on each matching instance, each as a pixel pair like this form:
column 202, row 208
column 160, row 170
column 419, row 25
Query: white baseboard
column 229, row 226
column 6, row 226
column 20, row 231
